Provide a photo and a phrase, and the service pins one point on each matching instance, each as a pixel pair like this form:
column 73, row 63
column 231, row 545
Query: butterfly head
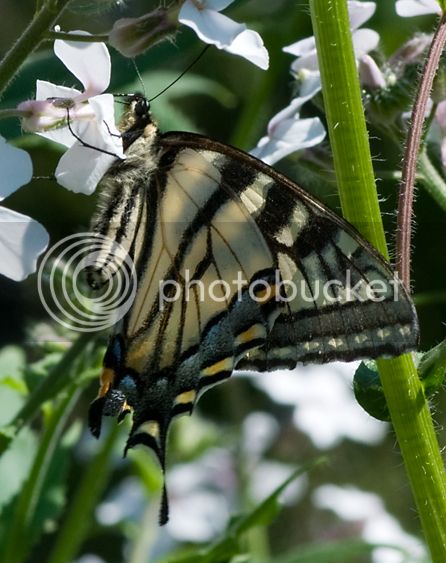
column 136, row 120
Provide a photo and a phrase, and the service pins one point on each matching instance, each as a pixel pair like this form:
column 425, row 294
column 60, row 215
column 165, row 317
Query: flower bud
column 370, row 73
column 132, row 36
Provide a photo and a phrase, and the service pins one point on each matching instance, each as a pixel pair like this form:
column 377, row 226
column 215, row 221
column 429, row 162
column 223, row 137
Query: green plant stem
column 145, row 535
column 432, row 181
column 7, row 113
column 348, row 134
column 80, row 512
column 30, row 39
column 52, row 35
column 17, row 544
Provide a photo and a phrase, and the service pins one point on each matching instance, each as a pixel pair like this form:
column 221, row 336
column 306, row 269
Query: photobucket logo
column 308, row 291
column 67, row 296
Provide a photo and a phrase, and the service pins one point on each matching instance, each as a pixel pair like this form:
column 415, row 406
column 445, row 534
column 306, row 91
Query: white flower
column 258, row 433
column 287, row 133
column 268, row 475
column 216, row 29
column 201, row 492
column 325, row 407
column 410, row 8
column 89, row 115
column 437, row 132
column 22, row 239
column 306, row 66
column 377, row 525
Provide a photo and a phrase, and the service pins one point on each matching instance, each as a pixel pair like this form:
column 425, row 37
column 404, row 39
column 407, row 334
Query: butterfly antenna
column 138, row 74
column 182, row 74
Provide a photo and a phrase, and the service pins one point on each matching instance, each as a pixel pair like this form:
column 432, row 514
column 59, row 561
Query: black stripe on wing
column 321, row 246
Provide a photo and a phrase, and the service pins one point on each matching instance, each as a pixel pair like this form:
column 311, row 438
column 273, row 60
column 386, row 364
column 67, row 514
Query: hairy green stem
column 404, row 394
column 30, row 39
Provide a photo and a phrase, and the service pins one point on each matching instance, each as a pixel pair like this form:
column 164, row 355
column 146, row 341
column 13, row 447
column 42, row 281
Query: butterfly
column 237, row 267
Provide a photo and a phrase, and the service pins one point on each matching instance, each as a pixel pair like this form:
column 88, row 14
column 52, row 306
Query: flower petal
column 370, row 73
column 249, row 45
column 110, row 140
column 306, row 62
column 360, row 12
column 210, row 26
column 45, row 90
column 291, row 135
column 302, row 47
column 89, row 62
column 310, row 84
column 81, row 168
column 291, row 110
column 22, row 240
column 409, row 8
column 16, row 168
column 46, row 116
column 364, row 41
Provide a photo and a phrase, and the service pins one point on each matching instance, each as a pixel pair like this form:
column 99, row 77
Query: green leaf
column 342, row 551
column 15, row 465
column 267, row 510
column 12, row 362
column 432, row 369
column 25, row 523
column 369, row 391
column 53, row 496
column 229, row 546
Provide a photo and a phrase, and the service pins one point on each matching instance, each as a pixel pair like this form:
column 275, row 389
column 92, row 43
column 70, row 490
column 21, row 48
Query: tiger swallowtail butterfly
column 195, row 215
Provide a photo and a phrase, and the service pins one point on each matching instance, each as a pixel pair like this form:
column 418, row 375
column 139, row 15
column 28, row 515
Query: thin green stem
column 80, row 512
column 146, row 534
column 30, row 39
column 17, row 543
column 7, row 113
column 52, row 35
column 404, row 394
